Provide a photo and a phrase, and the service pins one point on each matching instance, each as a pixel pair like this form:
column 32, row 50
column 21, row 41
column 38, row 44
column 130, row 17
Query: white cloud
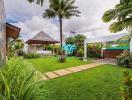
column 31, row 22
column 31, row 27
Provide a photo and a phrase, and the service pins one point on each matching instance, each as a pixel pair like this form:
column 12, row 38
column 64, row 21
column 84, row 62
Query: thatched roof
column 41, row 38
column 12, row 31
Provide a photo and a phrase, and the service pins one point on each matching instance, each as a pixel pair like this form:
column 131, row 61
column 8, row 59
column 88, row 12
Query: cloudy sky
column 29, row 18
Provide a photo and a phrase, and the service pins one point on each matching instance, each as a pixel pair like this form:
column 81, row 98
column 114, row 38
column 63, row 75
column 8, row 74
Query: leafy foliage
column 80, row 53
column 125, row 59
column 79, row 40
column 94, row 50
column 70, row 40
column 31, row 55
column 36, row 1
column 20, row 81
column 15, row 47
column 61, row 9
column 122, row 13
column 62, row 58
column 126, row 91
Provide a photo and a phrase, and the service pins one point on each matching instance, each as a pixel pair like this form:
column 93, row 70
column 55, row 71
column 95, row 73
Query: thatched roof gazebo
column 40, row 38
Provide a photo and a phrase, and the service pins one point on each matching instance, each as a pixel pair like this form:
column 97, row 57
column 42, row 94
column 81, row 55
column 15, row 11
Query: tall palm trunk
column 60, row 19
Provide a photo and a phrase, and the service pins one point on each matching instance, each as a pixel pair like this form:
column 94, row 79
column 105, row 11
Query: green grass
column 50, row 63
column 101, row 83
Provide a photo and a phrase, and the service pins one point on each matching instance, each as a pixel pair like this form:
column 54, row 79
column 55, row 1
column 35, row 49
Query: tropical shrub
column 15, row 47
column 60, row 52
column 94, row 50
column 126, row 91
column 31, row 55
column 20, row 81
column 62, row 58
column 20, row 53
column 80, row 53
column 77, row 40
column 125, row 59
column 70, row 40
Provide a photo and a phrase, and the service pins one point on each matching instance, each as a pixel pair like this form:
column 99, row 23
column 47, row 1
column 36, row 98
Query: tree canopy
column 36, row 1
column 62, row 9
column 121, row 14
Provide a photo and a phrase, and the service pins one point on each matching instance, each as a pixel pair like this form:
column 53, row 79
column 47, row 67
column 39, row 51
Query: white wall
column 131, row 45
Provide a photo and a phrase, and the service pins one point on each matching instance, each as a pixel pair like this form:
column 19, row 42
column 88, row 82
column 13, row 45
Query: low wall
column 111, row 53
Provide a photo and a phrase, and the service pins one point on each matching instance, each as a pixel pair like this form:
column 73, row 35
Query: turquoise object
column 69, row 48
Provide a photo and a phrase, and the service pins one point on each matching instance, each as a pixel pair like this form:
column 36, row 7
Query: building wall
column 2, row 33
column 32, row 48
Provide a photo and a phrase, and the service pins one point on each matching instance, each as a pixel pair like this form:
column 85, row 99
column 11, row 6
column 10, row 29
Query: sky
column 29, row 18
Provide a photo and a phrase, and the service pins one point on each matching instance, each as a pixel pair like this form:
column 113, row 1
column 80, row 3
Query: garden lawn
column 50, row 63
column 100, row 83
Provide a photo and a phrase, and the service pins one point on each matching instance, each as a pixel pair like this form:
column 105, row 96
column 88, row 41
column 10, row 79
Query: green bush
column 60, row 52
column 80, row 53
column 62, row 58
column 94, row 50
column 20, row 53
column 31, row 56
column 126, row 91
column 20, row 81
column 125, row 59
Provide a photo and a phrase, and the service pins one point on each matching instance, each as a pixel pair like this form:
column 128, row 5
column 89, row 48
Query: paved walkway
column 67, row 71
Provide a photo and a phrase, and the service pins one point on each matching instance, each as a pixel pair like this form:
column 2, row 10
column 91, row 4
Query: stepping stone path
column 67, row 71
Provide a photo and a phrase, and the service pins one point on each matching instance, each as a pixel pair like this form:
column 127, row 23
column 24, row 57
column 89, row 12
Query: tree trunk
column 60, row 19
column 2, row 34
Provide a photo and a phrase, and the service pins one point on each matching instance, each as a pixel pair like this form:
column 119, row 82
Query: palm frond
column 116, row 27
column 122, row 13
column 40, row 2
column 109, row 15
column 61, row 8
column 49, row 14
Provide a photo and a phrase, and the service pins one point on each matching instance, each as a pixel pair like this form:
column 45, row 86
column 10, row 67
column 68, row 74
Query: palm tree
column 121, row 14
column 37, row 1
column 61, row 9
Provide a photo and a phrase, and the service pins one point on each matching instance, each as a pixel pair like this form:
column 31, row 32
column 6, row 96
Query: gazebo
column 40, row 38
column 103, row 39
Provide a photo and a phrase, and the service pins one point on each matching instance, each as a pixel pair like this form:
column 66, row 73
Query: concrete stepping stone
column 82, row 67
column 62, row 72
column 51, row 75
column 74, row 69
column 44, row 78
